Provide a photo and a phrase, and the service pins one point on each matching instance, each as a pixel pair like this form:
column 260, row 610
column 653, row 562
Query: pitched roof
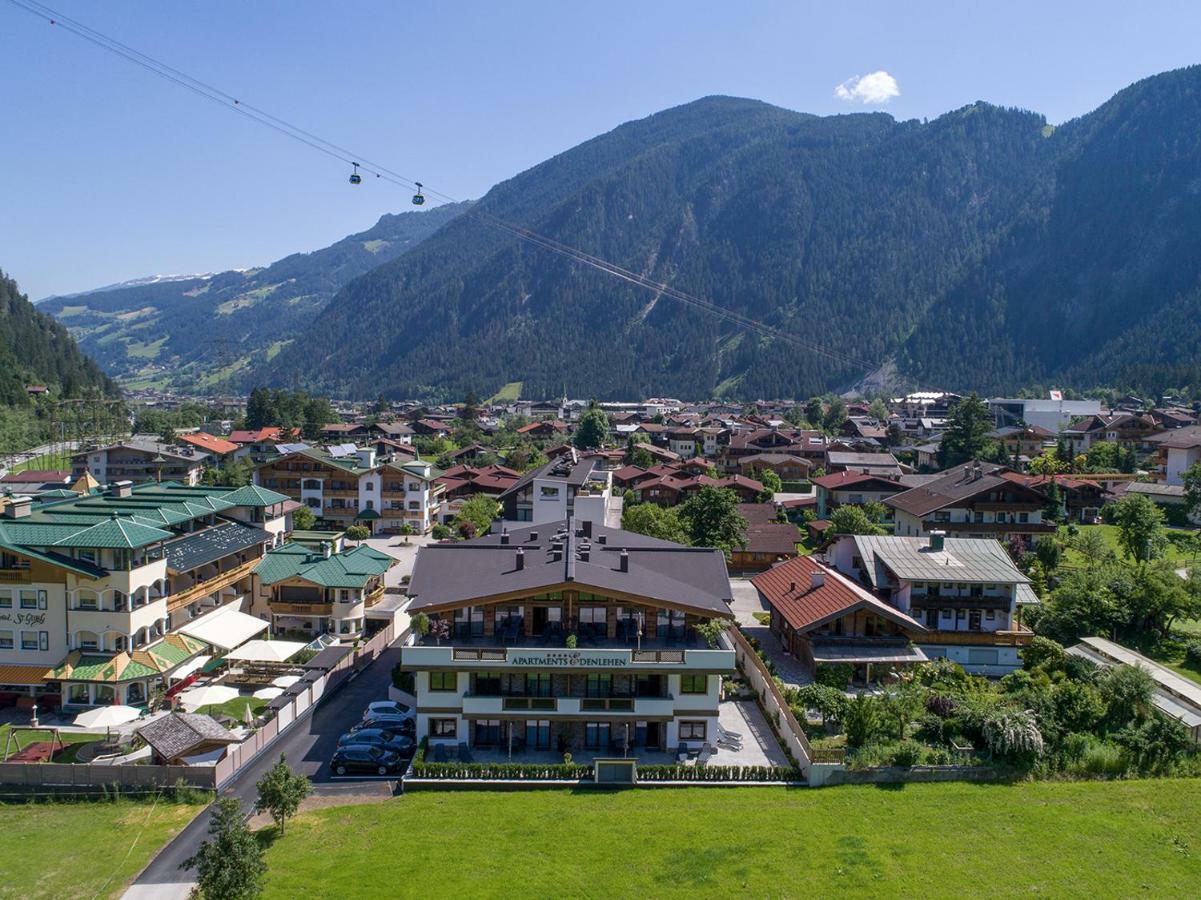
column 36, row 476
column 778, row 538
column 211, row 544
column 116, row 533
column 352, row 569
column 788, row 586
column 974, row 560
column 252, row 495
column 209, row 442
column 174, row 734
column 450, row 575
column 254, row 436
column 960, row 483
column 846, row 479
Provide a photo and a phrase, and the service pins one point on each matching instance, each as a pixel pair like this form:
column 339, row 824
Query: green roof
column 78, row 566
column 367, row 515
column 253, row 495
column 116, row 533
column 352, row 569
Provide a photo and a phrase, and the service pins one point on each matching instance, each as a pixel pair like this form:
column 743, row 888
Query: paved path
column 747, row 602
column 307, row 746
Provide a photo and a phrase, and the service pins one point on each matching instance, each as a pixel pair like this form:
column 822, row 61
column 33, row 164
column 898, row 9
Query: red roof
column 270, row 433
column 846, row 479
column 36, row 476
column 209, row 442
column 789, row 588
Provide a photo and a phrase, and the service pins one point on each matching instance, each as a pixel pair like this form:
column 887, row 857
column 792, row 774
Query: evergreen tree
column 967, row 424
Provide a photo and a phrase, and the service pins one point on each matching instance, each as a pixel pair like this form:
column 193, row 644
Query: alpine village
column 739, row 503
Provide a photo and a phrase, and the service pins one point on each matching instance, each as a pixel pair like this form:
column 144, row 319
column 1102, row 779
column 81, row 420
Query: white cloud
column 876, row 87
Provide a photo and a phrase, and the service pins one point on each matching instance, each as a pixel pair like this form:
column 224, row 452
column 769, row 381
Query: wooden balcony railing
column 302, row 609
column 983, row 638
column 211, row 586
column 14, row 576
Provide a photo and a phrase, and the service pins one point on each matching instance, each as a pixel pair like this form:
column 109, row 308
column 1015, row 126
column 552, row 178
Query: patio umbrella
column 107, row 716
column 285, row 681
column 268, row 693
column 208, row 695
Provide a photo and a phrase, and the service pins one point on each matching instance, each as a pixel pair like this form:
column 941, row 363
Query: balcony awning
column 367, row 515
column 224, row 629
column 866, row 653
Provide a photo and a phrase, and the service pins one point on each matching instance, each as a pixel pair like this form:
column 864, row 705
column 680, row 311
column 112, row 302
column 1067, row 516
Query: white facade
column 1053, row 415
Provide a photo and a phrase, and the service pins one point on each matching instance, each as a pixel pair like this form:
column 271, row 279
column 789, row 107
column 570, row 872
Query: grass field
column 1110, row 533
column 1113, row 839
column 235, row 708
column 51, row 461
column 62, row 850
column 31, row 737
column 508, row 393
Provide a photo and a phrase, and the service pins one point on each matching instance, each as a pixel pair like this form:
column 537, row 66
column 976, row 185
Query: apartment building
column 966, row 592
column 348, row 486
column 975, row 500
column 568, row 636
column 315, row 590
column 97, row 592
column 569, row 485
column 140, row 460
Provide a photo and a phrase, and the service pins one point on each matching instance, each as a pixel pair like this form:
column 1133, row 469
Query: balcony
column 302, row 609
column 552, row 707
column 14, row 576
column 1019, row 638
column 557, row 659
column 188, row 596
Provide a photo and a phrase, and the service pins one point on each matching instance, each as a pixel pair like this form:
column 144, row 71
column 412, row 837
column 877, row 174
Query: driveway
column 308, row 746
column 747, row 602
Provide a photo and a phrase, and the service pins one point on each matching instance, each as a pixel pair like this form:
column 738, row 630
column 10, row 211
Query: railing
column 468, row 653
column 614, row 704
column 212, row 585
column 657, row 656
column 534, row 703
column 774, row 705
column 302, row 609
column 15, row 576
column 375, row 596
column 988, row 638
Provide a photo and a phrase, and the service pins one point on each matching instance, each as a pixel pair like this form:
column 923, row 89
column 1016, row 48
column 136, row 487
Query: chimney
column 818, row 578
column 504, row 536
column 937, row 541
column 533, row 537
column 585, row 552
column 625, row 561
column 327, row 549
column 18, row 508
column 602, row 539
column 520, row 559
column 120, row 489
column 792, row 587
column 587, row 528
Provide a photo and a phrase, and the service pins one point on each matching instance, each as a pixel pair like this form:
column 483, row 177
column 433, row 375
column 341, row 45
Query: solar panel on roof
column 291, row 448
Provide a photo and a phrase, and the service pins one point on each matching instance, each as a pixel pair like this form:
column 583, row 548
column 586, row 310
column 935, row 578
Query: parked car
column 403, row 725
column 364, row 758
column 378, row 737
column 389, row 708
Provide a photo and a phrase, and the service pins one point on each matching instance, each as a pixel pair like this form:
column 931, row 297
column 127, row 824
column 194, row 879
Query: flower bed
column 496, row 771
column 719, row 773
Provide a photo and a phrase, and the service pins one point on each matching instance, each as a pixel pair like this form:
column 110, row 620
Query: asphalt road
column 307, row 746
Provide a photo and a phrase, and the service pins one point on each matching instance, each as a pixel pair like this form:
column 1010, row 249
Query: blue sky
column 108, row 173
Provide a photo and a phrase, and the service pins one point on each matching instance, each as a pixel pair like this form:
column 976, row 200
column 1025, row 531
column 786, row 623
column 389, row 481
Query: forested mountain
column 983, row 249
column 198, row 330
column 35, row 349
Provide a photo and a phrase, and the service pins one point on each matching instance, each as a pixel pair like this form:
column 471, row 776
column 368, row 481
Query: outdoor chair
column 705, row 754
column 440, row 754
column 682, row 754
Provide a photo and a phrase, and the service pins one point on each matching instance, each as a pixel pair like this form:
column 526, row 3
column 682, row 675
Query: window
column 43, row 640
column 29, row 599
column 6, row 600
column 548, row 492
column 444, row 681
column 982, row 657
column 538, row 684
column 29, row 640
column 692, row 731
column 444, row 728
column 596, row 735
column 990, row 615
column 6, row 640
column 370, row 485
column 344, row 596
column 599, row 685
column 1023, row 518
column 946, row 614
column 694, row 684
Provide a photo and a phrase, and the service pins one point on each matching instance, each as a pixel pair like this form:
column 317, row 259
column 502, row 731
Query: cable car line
column 358, row 162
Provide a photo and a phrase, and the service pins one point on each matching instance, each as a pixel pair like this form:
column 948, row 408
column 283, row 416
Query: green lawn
column 60, row 850
column 1110, row 533
column 47, row 461
column 1113, row 839
column 31, row 737
column 235, row 708
column 510, row 392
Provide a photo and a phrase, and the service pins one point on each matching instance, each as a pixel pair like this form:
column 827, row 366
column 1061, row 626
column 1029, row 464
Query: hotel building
column 568, row 636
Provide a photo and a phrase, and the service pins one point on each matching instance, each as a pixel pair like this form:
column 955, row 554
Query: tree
column 967, row 424
column 303, row 519
column 1140, row 527
column 1127, row 692
column 861, row 720
column 471, row 407
column 1192, row 489
column 525, row 456
column 879, row 411
column 815, row 412
column 654, row 521
column 1091, row 544
column 875, row 511
column 281, row 791
column 1053, row 508
column 593, row 429
column 712, row 630
column 1013, row 734
column 712, row 519
column 771, row 484
column 479, row 510
column 836, row 414
column 851, row 519
column 1046, row 548
column 358, row 533
column 229, row 865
